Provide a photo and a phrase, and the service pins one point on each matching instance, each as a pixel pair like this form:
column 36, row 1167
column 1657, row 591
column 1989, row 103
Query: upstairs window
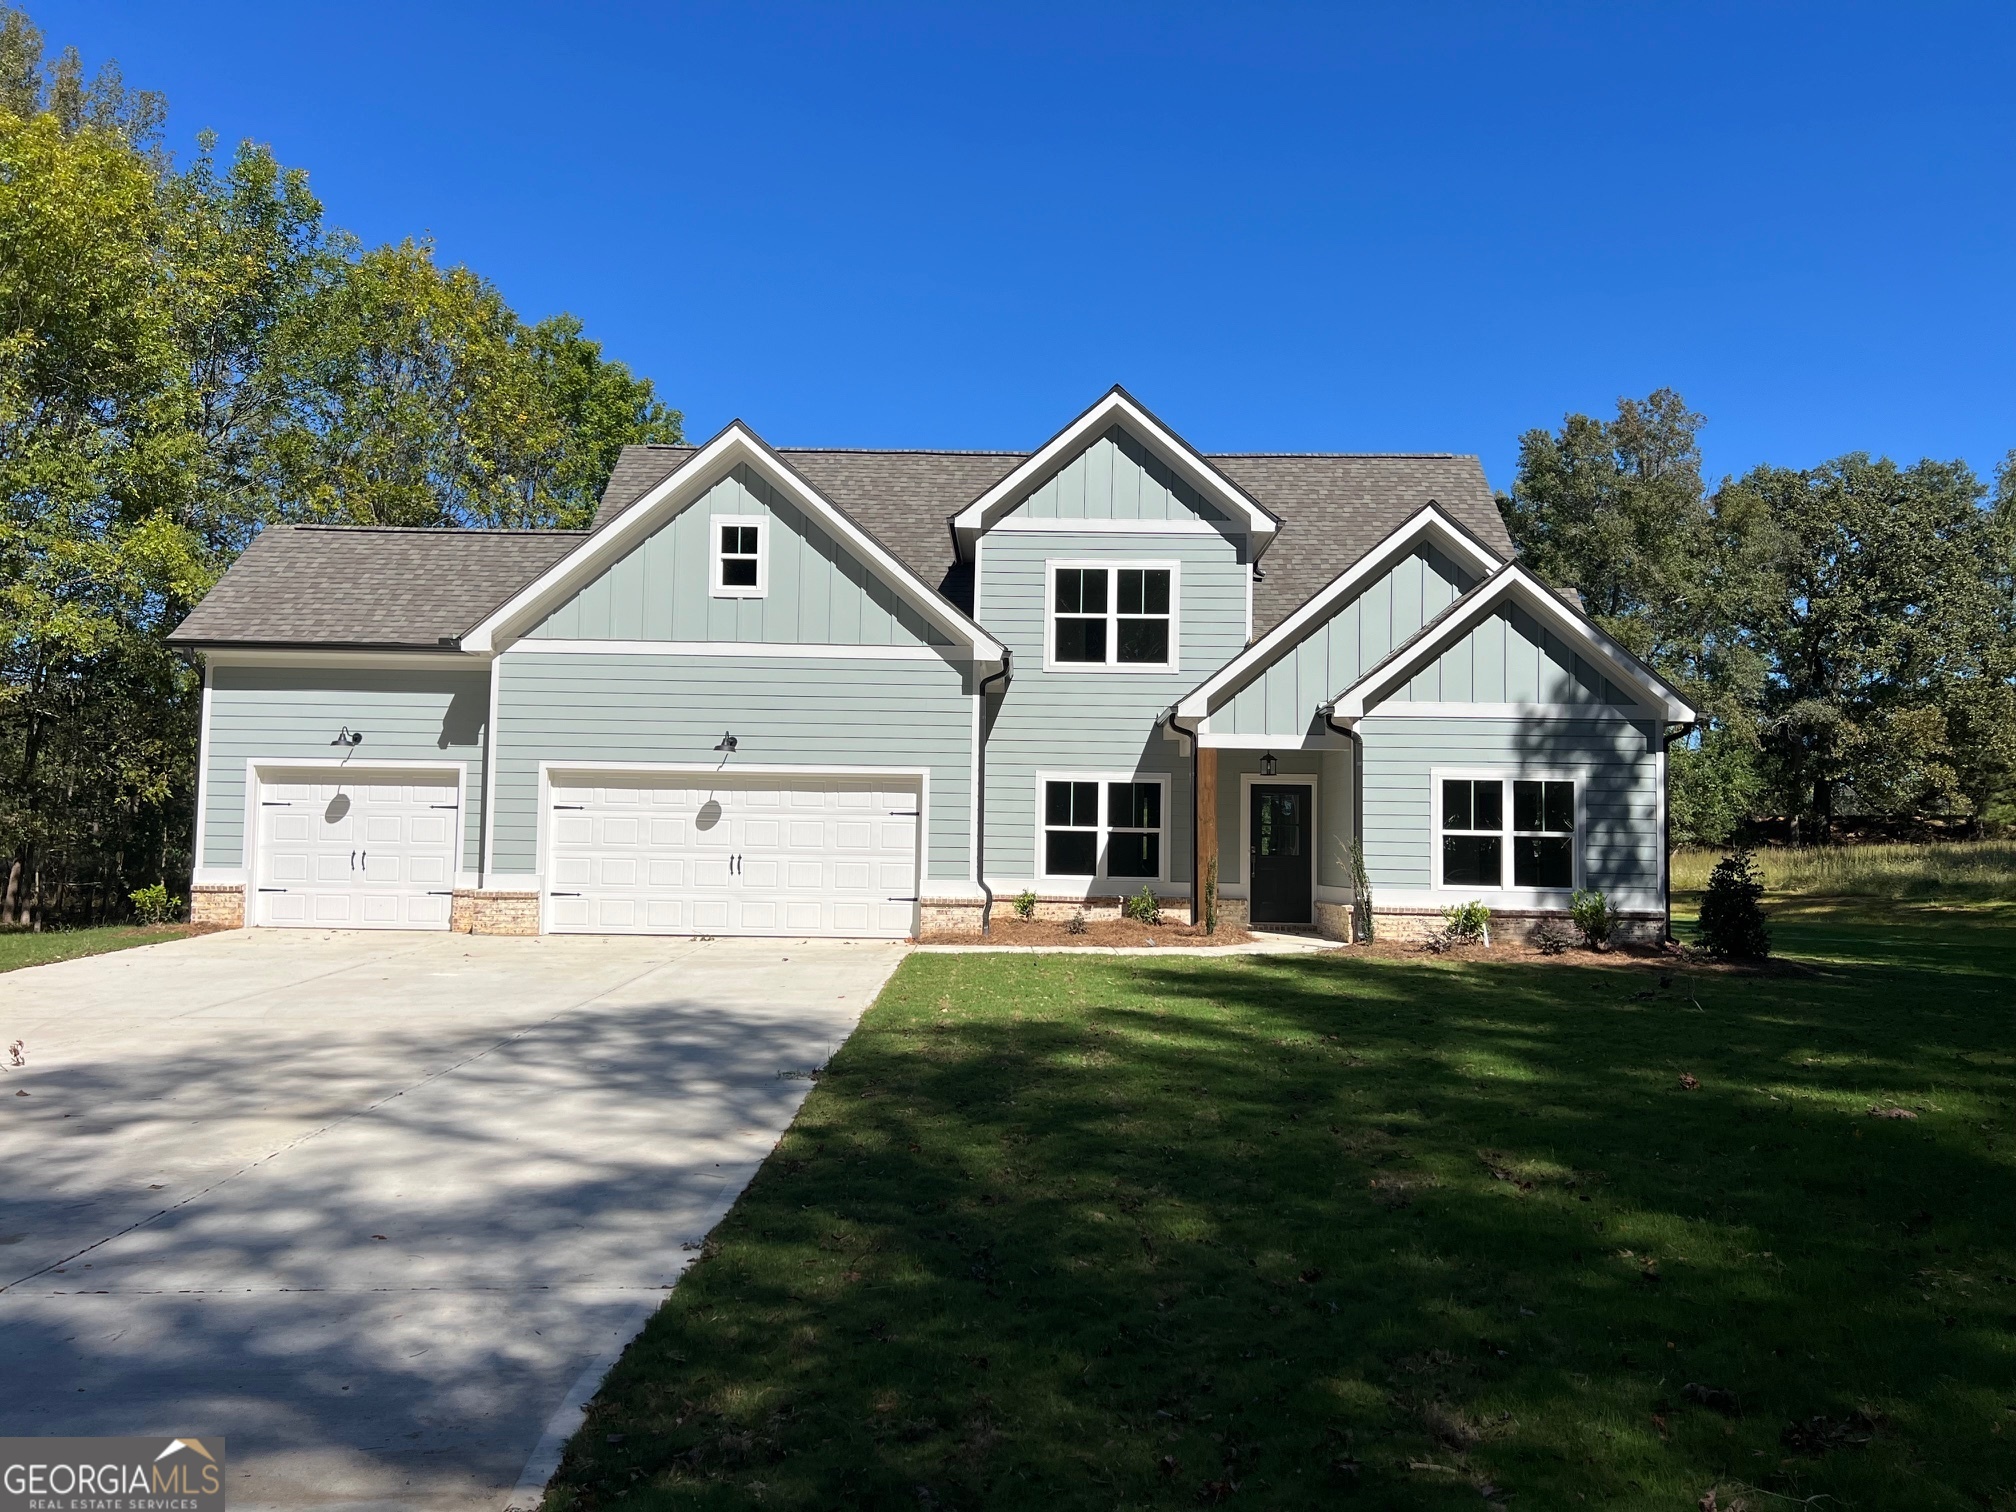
column 741, row 556
column 1476, row 838
column 1113, row 616
column 1103, row 829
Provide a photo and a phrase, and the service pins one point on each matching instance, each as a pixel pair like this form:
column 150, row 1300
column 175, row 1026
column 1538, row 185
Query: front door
column 1279, row 847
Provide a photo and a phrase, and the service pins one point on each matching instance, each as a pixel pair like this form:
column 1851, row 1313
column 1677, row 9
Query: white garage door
column 749, row 856
column 372, row 851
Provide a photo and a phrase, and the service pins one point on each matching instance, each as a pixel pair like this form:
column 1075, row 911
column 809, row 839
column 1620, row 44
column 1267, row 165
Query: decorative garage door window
column 1103, row 829
column 1477, row 839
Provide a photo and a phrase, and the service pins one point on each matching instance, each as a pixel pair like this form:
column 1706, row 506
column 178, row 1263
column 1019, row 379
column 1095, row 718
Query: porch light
column 1267, row 765
column 348, row 737
column 727, row 743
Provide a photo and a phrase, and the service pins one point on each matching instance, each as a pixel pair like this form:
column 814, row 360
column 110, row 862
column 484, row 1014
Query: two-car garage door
column 687, row 854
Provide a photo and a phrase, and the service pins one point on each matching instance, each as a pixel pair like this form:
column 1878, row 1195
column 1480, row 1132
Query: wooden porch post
column 1205, row 825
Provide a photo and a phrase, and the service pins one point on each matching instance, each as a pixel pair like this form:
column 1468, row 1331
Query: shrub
column 1076, row 923
column 1361, row 896
column 1732, row 910
column 1467, row 924
column 154, row 904
column 1550, row 941
column 1211, row 896
column 1594, row 916
column 1025, row 905
column 1144, row 907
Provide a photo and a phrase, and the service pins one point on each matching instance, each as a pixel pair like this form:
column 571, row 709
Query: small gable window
column 1120, row 616
column 741, row 556
column 1484, row 821
column 1109, row 828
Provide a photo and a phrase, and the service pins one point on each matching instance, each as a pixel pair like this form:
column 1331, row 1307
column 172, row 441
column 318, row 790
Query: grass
column 1981, row 872
column 1274, row 1232
column 20, row 947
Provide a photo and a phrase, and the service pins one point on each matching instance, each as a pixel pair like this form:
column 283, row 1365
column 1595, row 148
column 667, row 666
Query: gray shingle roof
column 328, row 585
column 364, row 586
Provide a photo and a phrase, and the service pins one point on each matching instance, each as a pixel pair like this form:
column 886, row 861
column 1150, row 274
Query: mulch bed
column 1121, row 933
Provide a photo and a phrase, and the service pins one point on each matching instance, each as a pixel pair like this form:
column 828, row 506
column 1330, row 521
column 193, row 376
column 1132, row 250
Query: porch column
column 1204, row 827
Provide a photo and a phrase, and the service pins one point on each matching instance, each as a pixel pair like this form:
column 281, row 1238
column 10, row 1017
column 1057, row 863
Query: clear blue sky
column 1329, row 227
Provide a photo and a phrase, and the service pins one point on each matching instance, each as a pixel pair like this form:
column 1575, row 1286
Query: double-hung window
column 1476, row 839
column 741, row 556
column 1102, row 829
column 1113, row 616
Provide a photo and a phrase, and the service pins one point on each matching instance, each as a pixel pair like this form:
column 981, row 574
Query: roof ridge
column 983, row 451
column 430, row 530
column 1397, row 456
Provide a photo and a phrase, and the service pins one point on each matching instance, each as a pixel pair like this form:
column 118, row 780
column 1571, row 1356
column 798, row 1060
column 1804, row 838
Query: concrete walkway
column 379, row 1208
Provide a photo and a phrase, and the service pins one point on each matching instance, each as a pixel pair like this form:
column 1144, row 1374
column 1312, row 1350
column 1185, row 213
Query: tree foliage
column 186, row 355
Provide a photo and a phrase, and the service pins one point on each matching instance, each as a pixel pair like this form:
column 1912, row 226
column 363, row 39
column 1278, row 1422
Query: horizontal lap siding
column 292, row 714
column 1621, row 842
column 817, row 592
column 576, row 707
column 1096, row 721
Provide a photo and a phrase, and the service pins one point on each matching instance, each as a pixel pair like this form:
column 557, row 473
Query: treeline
column 188, row 353
column 1849, row 628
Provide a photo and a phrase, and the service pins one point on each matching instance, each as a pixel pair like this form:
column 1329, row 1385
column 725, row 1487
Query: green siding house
column 798, row 692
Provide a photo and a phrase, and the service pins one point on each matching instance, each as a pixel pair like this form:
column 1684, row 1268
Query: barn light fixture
column 1267, row 765
column 727, row 743
column 348, row 737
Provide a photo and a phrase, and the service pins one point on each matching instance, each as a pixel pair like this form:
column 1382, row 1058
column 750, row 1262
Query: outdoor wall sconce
column 348, row 737
column 727, row 743
column 1267, row 765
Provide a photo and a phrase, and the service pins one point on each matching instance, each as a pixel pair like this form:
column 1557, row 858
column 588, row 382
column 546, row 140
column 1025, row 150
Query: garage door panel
column 363, row 851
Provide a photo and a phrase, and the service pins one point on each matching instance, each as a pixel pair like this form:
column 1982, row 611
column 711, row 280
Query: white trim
column 202, row 777
column 1249, row 566
column 404, row 661
column 718, row 559
column 735, row 446
column 217, row 876
column 792, row 651
column 1642, row 902
column 1505, row 776
column 1247, row 782
column 1101, row 830
column 1427, row 521
column 973, row 783
column 1403, row 709
column 1272, row 742
column 1512, row 582
column 1117, row 407
column 1058, row 525
column 1665, row 852
column 1051, row 567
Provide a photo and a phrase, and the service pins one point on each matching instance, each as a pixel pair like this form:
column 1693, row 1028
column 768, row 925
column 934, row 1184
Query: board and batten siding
column 1511, row 658
column 1284, row 698
column 1116, row 478
column 280, row 714
column 1620, row 844
column 819, row 593
column 1103, row 720
column 586, row 707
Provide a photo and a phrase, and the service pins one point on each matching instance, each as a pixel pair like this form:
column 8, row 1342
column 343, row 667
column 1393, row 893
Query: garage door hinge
column 274, row 803
column 444, row 805
column 902, row 900
column 570, row 805
column 443, row 894
column 904, row 814
column 563, row 895
column 272, row 889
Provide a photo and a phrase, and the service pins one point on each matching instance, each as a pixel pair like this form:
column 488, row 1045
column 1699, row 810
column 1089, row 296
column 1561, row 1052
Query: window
column 1476, row 838
column 1121, row 841
column 740, row 560
column 1113, row 616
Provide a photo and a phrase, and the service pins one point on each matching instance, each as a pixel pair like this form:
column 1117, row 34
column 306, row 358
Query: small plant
column 1732, row 924
column 1594, row 916
column 1025, row 905
column 1076, row 923
column 1361, row 896
column 1144, row 907
column 154, row 905
column 1550, row 941
column 1467, row 923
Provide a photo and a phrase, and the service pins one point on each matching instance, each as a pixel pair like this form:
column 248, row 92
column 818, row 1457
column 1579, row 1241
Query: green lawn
column 1273, row 1231
column 20, row 948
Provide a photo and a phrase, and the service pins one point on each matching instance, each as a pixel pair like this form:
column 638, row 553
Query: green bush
column 154, row 904
column 1732, row 910
column 1025, row 905
column 1594, row 916
column 1076, row 923
column 1144, row 907
column 1467, row 924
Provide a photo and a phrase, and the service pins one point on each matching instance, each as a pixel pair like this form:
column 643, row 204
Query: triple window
column 1102, row 829
column 1107, row 616
column 1478, row 846
column 741, row 560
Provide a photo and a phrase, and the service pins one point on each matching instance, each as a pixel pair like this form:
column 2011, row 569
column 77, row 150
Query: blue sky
column 1331, row 227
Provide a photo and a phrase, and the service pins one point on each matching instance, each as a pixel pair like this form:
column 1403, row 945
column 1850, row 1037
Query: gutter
column 980, row 779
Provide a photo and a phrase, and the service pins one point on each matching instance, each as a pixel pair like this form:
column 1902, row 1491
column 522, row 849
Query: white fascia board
column 735, row 446
column 444, row 660
column 1118, row 407
column 1429, row 523
column 1516, row 583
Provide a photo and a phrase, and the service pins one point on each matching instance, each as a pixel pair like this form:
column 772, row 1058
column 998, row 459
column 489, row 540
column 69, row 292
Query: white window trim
column 1052, row 566
column 1103, row 831
column 717, row 558
column 1247, row 782
column 1506, row 776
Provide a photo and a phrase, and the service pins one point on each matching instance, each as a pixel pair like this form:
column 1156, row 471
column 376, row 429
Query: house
column 807, row 691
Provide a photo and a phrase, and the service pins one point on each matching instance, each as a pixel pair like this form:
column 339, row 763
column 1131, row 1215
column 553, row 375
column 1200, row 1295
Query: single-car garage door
column 371, row 851
column 750, row 855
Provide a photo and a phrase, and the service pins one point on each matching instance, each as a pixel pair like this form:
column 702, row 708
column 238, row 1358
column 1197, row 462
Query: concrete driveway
column 379, row 1208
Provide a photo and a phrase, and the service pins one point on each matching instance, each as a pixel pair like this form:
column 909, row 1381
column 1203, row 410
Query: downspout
column 980, row 807
column 1196, row 812
column 1350, row 733
column 1666, row 825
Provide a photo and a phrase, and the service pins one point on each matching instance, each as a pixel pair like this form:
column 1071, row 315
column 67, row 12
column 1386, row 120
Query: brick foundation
column 1233, row 913
column 1513, row 926
column 494, row 913
column 1333, row 920
column 939, row 917
column 217, row 907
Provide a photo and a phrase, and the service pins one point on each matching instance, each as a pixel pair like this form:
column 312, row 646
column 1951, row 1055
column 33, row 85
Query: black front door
column 1278, row 858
